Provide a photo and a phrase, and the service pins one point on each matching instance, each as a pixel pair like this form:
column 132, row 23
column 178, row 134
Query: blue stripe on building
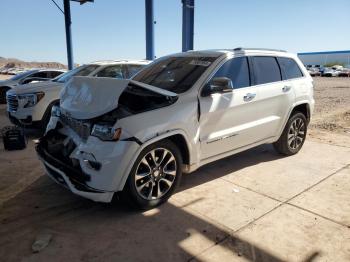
column 325, row 52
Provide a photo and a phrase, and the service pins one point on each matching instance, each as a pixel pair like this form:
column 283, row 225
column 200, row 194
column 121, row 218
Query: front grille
column 82, row 128
column 12, row 103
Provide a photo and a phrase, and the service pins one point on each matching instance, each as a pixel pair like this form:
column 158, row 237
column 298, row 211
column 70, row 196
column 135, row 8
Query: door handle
column 249, row 97
column 286, row 88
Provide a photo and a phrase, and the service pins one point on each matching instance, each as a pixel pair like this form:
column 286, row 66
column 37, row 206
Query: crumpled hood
column 36, row 87
column 90, row 97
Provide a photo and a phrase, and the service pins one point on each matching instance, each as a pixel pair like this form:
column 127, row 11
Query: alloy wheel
column 155, row 174
column 296, row 134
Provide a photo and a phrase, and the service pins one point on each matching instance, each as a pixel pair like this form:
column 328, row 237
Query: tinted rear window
column 266, row 70
column 289, row 67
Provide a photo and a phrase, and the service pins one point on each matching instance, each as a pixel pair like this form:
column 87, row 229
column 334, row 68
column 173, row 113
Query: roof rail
column 262, row 49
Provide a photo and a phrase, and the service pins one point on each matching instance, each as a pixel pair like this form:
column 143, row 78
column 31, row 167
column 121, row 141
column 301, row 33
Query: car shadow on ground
column 88, row 231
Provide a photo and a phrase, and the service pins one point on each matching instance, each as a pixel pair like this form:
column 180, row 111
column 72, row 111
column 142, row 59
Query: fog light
column 90, row 161
column 94, row 165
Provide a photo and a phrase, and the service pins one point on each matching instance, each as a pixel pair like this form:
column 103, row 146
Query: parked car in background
column 330, row 72
column 313, row 71
column 30, row 105
column 345, row 72
column 29, row 76
column 179, row 113
column 11, row 71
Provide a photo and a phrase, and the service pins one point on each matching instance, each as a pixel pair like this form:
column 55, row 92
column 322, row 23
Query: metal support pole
column 149, row 29
column 187, row 24
column 68, row 22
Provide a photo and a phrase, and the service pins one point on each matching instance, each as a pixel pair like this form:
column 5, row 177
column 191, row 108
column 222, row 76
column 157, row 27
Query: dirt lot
column 254, row 206
column 332, row 110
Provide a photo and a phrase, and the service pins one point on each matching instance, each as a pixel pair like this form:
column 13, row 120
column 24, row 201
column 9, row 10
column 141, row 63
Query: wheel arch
column 48, row 109
column 303, row 108
column 178, row 137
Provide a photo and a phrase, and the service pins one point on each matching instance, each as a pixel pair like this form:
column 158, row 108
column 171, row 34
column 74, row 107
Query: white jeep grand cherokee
column 179, row 113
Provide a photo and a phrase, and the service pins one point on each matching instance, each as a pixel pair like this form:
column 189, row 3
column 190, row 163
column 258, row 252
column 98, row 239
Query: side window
column 40, row 75
column 266, row 70
column 290, row 68
column 237, row 70
column 54, row 74
column 87, row 70
column 111, row 71
column 133, row 69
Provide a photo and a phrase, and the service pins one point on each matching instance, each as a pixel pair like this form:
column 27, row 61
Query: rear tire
column 155, row 175
column 293, row 136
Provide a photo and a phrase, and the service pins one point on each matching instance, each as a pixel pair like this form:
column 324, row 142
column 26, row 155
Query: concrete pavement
column 254, row 206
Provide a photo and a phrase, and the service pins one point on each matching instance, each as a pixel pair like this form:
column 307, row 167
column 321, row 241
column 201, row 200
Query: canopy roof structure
column 187, row 27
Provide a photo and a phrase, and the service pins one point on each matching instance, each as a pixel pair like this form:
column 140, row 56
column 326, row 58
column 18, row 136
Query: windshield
column 175, row 74
column 83, row 70
column 22, row 75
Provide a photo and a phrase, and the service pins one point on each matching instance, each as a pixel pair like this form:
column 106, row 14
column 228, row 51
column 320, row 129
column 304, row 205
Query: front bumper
column 69, row 177
column 100, row 167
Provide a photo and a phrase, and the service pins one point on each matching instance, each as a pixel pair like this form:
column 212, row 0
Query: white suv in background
column 26, row 77
column 179, row 113
column 30, row 105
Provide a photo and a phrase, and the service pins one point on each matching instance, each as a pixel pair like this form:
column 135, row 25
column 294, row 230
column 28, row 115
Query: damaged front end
column 55, row 150
column 83, row 148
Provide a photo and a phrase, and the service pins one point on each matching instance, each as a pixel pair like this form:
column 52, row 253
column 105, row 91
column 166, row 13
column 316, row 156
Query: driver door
column 229, row 120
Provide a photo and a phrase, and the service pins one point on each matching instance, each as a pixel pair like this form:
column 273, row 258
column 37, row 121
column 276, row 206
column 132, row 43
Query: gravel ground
column 332, row 109
column 331, row 119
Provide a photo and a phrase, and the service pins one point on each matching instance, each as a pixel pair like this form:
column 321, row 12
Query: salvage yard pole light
column 187, row 24
column 149, row 29
column 68, row 23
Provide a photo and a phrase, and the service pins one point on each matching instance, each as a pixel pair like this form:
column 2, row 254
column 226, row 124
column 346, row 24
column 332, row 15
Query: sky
column 33, row 30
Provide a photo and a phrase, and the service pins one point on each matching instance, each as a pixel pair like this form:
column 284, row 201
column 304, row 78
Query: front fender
column 149, row 142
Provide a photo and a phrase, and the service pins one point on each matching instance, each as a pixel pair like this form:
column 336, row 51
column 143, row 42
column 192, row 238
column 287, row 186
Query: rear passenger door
column 275, row 95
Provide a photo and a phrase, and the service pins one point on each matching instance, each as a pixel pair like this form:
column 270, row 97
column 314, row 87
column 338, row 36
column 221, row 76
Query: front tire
column 293, row 136
column 155, row 175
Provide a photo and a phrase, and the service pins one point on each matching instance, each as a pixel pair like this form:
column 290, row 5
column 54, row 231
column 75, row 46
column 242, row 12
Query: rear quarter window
column 289, row 68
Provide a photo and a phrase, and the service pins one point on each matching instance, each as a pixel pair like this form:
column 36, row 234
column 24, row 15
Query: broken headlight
column 106, row 132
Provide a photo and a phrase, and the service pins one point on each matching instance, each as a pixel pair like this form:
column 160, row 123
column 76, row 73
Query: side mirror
column 218, row 85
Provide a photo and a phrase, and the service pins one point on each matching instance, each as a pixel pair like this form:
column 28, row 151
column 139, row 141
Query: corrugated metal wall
column 321, row 58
